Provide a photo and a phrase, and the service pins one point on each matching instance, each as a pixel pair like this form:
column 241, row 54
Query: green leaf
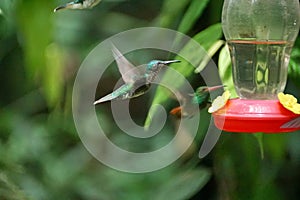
column 170, row 11
column 276, row 146
column 294, row 69
column 53, row 74
column 225, row 70
column 259, row 137
column 211, row 51
column 36, row 32
column 183, row 186
column 209, row 36
column 192, row 14
column 193, row 56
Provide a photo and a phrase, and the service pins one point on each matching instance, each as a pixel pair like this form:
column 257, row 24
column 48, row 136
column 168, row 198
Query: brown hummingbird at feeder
column 200, row 97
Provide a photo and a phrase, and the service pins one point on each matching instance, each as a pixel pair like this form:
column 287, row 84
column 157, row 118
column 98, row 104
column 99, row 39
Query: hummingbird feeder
column 260, row 35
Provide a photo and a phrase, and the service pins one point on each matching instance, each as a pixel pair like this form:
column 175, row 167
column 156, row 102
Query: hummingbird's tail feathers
column 294, row 123
column 176, row 112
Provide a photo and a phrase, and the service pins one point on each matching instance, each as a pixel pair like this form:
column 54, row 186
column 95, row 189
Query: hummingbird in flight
column 137, row 82
column 78, row 4
column 199, row 97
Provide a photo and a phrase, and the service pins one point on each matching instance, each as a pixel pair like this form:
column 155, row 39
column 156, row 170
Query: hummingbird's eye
column 204, row 89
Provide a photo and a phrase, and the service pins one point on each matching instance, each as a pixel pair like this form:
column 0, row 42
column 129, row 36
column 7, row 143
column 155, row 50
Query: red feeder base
column 252, row 116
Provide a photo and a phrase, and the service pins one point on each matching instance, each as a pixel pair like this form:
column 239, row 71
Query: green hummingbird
column 199, row 97
column 137, row 82
column 78, row 4
column 294, row 123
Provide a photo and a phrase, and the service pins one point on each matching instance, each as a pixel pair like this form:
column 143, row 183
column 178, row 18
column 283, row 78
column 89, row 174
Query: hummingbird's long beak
column 170, row 61
column 215, row 87
column 97, row 102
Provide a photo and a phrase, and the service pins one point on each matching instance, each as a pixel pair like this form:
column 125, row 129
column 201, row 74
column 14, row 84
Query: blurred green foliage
column 41, row 156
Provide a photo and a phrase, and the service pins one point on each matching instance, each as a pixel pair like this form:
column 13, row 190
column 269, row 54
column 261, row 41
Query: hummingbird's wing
column 178, row 111
column 186, row 109
column 94, row 3
column 127, row 70
column 294, row 123
column 120, row 93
